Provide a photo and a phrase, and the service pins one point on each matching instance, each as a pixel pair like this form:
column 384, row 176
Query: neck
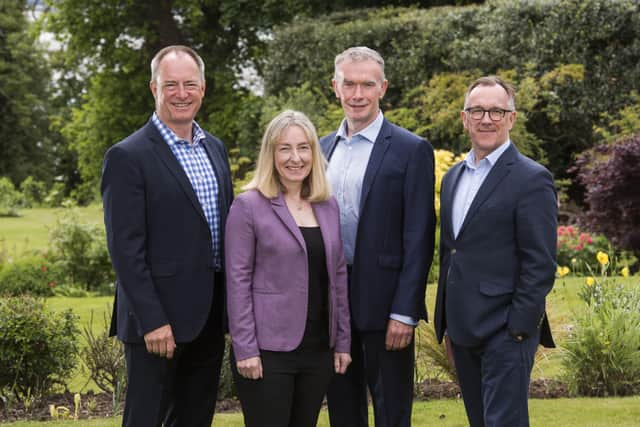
column 354, row 127
column 183, row 132
column 293, row 192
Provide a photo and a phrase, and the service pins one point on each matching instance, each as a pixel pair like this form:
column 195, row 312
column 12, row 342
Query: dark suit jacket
column 158, row 236
column 395, row 237
column 268, row 277
column 500, row 268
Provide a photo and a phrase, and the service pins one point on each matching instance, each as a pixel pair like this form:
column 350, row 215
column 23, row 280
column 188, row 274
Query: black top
column 316, row 333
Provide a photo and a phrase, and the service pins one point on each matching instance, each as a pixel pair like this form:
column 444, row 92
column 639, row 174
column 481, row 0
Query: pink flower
column 579, row 247
column 43, row 268
column 52, row 285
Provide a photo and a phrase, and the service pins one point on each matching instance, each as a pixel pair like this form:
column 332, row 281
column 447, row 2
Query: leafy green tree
column 25, row 145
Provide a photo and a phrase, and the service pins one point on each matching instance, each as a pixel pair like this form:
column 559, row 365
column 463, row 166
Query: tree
column 611, row 178
column 25, row 144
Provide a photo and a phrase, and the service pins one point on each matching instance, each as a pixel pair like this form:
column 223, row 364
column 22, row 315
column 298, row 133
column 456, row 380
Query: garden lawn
column 583, row 412
column 31, row 230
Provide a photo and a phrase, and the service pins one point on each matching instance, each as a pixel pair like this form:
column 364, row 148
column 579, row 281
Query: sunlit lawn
column 583, row 412
column 31, row 230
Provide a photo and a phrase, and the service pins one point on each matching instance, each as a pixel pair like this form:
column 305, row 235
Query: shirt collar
column 492, row 158
column 171, row 138
column 370, row 133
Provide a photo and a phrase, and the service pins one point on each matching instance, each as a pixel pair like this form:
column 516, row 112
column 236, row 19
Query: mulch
column 100, row 405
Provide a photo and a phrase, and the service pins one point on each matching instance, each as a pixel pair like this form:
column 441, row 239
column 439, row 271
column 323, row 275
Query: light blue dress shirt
column 472, row 178
column 346, row 173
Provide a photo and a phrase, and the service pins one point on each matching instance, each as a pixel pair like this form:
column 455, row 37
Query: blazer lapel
column 320, row 211
column 327, row 148
column 499, row 171
column 282, row 211
column 218, row 167
column 446, row 196
column 167, row 157
column 380, row 147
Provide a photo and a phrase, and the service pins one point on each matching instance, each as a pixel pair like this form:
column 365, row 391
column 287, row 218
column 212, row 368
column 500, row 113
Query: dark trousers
column 389, row 377
column 291, row 390
column 494, row 380
column 178, row 392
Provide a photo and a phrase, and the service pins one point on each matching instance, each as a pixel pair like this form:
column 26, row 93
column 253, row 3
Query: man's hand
column 341, row 361
column 399, row 335
column 160, row 342
column 250, row 368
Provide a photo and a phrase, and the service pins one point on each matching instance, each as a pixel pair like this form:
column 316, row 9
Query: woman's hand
column 341, row 361
column 250, row 368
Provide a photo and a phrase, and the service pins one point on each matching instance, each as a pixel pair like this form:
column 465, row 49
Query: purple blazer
column 268, row 279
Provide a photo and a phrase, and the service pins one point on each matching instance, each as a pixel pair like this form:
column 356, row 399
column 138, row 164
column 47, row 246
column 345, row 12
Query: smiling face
column 293, row 157
column 486, row 134
column 360, row 86
column 178, row 90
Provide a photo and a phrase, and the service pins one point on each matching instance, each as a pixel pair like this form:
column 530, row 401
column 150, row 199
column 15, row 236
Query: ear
column 334, row 84
column 463, row 117
column 511, row 120
column 154, row 88
column 383, row 88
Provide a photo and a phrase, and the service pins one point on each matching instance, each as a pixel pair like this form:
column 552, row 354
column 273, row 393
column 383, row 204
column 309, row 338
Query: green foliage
column 578, row 249
column 56, row 196
column 38, row 348
column 80, row 251
column 226, row 386
column 33, row 192
column 104, row 358
column 9, row 198
column 601, row 352
column 33, row 275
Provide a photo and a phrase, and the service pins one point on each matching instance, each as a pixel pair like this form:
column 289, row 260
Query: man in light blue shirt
column 383, row 178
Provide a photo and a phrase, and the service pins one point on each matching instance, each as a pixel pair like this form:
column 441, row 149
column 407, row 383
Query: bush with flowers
column 601, row 353
column 577, row 249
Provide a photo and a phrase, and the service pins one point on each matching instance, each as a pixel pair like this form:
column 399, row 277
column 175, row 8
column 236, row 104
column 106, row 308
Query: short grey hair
column 358, row 53
column 155, row 62
column 493, row 81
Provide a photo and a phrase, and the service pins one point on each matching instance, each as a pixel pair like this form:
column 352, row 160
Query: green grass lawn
column 31, row 230
column 582, row 412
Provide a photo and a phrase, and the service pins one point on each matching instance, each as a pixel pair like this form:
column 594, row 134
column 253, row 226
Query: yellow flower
column 625, row 272
column 590, row 281
column 562, row 271
column 603, row 258
column 574, row 261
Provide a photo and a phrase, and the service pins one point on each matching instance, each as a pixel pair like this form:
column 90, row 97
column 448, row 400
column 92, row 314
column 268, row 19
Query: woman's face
column 293, row 157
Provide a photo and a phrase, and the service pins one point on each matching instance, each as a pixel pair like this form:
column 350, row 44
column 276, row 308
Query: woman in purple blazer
column 286, row 281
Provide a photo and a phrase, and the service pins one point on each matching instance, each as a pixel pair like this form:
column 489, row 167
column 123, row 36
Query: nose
column 295, row 156
column 486, row 118
column 358, row 91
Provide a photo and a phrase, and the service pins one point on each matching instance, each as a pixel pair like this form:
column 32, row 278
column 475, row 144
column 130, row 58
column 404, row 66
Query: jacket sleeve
column 418, row 231
column 343, row 332
column 536, row 234
column 123, row 197
column 240, row 250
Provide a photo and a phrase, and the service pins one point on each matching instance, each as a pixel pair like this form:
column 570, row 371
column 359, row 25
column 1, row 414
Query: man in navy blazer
column 166, row 191
column 383, row 179
column 497, row 261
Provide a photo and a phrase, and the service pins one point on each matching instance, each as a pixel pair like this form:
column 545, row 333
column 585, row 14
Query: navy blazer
column 159, row 238
column 395, row 236
column 268, row 276
column 500, row 268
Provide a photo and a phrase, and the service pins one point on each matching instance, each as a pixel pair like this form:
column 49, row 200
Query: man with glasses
column 498, row 220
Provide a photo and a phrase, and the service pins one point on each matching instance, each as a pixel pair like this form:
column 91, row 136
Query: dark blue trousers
column 494, row 380
column 387, row 374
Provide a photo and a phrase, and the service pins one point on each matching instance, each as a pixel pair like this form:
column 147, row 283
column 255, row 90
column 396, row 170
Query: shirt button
column 453, row 251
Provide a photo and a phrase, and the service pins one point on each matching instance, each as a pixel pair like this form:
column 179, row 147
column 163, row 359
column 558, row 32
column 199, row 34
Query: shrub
column 577, row 249
column 33, row 275
column 104, row 358
column 601, row 356
column 226, row 386
column 9, row 198
column 33, row 192
column 39, row 348
column 611, row 176
column 80, row 250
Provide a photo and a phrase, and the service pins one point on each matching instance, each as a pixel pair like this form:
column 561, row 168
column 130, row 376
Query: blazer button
column 453, row 251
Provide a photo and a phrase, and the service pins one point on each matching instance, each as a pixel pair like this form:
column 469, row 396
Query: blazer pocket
column 163, row 269
column 494, row 289
column 390, row 261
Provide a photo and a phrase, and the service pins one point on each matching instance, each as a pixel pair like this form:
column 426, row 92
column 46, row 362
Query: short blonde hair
column 266, row 179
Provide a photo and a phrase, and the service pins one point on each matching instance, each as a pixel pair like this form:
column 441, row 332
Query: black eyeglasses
column 495, row 114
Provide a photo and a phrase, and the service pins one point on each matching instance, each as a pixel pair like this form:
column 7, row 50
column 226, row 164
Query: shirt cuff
column 407, row 320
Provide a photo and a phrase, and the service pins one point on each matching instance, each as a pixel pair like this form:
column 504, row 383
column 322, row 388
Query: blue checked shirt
column 196, row 164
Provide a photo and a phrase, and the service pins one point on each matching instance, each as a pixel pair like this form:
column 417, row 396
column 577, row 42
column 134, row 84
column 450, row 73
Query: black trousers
column 291, row 391
column 387, row 374
column 176, row 392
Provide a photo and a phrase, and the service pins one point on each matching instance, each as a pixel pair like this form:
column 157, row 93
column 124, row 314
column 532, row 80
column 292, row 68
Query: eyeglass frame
column 501, row 111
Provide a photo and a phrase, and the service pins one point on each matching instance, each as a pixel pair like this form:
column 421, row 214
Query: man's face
column 178, row 90
column 359, row 86
column 487, row 134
